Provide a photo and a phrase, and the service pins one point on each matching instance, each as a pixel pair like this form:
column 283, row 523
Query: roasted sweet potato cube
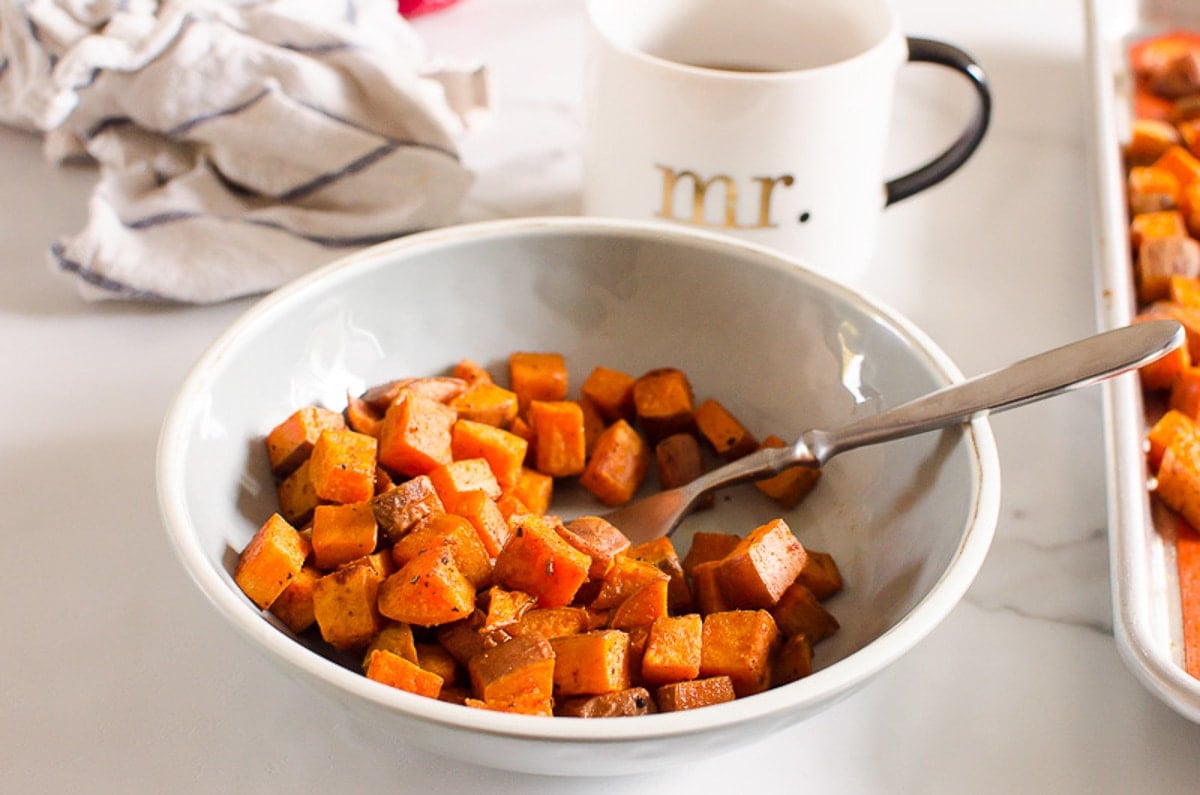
column 502, row 607
column 611, row 392
column 468, row 474
column 1161, row 373
column 730, row 439
column 1186, row 316
column 1180, row 162
column 551, row 622
column 799, row 612
column 1172, row 426
column 485, row 516
column 619, row 704
column 791, row 485
column 453, row 535
column 294, row 607
column 400, row 508
column 503, row 450
column 560, row 447
column 471, row 371
column 1178, row 480
column 427, row 591
column 678, row 696
column 342, row 533
column 361, row 416
column 761, row 567
column 591, row 662
column 434, row 658
column 1185, row 392
column 708, row 546
column 1149, row 139
column 510, row 505
column 438, row 388
column 672, row 651
column 537, row 376
column 461, row 638
column 395, row 637
column 391, row 669
column 297, row 496
column 618, row 464
column 487, row 403
column 663, row 403
column 624, row 578
column 534, row 490
column 820, row 574
column 415, row 435
column 593, row 426
column 680, row 461
column 739, row 644
column 661, row 553
column 344, row 602
column 516, row 676
column 598, row 538
column 272, row 559
column 706, row 590
column 793, row 661
column 291, row 442
column 342, row 466
column 538, row 561
column 1152, row 181
column 1162, row 257
column 642, row 606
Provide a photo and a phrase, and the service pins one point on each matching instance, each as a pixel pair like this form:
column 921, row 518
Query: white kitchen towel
column 241, row 143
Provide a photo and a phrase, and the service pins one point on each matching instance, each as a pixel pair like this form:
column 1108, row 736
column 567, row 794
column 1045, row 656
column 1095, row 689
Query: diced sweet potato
column 799, row 612
column 680, row 461
column 270, row 562
column 453, row 535
column 400, row 508
column 361, row 416
column 619, row 704
column 1185, row 392
column 551, row 622
column 472, row 372
column 485, row 516
column 641, row 607
column 342, row 466
column 391, row 669
column 1186, row 316
column 487, row 403
column 708, row 547
column 791, row 485
column 439, row 388
column 730, row 439
column 591, row 662
column 624, row 578
column 427, row 591
column 596, row 537
column 611, row 392
column 593, row 426
column 294, row 607
column 1162, row 372
column 739, row 644
column 538, row 561
column 695, row 693
column 663, row 403
column 342, row 533
column 706, row 590
column 534, row 490
column 1149, row 139
column 1180, row 162
column 793, row 661
column 618, row 464
column 344, row 602
column 516, row 676
column 291, row 442
column 537, row 376
column 503, row 450
column 760, row 568
column 1152, row 181
column 415, row 435
column 434, row 658
column 1161, row 257
column 468, row 474
column 1171, row 427
column 660, row 552
column 297, row 496
column 1177, row 482
column 672, row 651
column 502, row 607
column 820, row 574
column 461, row 638
column 560, row 448
column 395, row 637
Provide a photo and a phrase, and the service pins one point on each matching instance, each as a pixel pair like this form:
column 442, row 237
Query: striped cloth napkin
column 240, row 143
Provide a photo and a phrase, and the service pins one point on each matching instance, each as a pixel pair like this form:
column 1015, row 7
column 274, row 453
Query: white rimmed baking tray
column 1146, row 613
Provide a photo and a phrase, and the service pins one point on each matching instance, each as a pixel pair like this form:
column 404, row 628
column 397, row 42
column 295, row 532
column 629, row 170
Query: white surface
column 116, row 677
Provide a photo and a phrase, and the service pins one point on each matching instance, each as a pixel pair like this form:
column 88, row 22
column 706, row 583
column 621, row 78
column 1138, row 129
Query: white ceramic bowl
column 909, row 522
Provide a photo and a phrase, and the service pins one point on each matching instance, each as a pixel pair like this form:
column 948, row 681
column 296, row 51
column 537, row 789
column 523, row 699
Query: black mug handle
column 945, row 164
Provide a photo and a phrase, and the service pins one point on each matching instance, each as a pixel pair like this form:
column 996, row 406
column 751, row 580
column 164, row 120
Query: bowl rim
column 822, row 686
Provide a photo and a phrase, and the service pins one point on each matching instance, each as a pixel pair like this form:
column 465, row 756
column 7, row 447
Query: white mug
column 763, row 119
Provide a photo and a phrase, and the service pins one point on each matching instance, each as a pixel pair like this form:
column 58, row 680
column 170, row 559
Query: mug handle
column 945, row 164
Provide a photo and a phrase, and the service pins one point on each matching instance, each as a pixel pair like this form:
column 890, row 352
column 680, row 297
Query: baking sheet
column 1145, row 588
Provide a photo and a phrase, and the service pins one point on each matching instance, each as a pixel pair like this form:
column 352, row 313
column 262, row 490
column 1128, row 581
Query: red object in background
column 413, row 8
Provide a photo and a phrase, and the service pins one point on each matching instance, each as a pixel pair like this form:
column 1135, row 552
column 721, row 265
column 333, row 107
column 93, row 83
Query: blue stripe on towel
column 328, row 178
column 325, row 241
column 103, row 282
column 183, row 127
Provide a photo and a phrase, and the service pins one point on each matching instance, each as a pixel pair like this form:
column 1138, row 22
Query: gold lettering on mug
column 671, row 179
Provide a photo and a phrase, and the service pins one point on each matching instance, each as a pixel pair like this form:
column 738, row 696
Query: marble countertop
column 117, row 677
